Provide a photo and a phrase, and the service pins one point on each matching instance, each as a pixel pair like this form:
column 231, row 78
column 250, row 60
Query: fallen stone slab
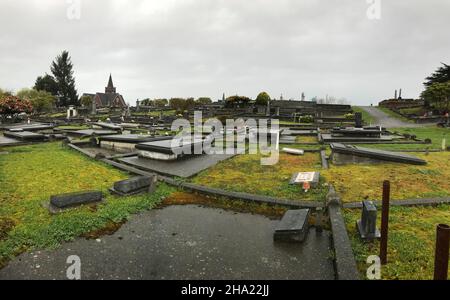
column 25, row 135
column 349, row 154
column 64, row 201
column 134, row 185
column 29, row 127
column 5, row 141
column 293, row 227
column 90, row 132
column 187, row 167
column 293, row 151
column 111, row 126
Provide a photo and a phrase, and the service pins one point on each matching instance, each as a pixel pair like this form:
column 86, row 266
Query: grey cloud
column 206, row 47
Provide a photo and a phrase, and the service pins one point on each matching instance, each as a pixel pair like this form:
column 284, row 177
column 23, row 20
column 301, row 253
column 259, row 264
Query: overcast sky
column 193, row 48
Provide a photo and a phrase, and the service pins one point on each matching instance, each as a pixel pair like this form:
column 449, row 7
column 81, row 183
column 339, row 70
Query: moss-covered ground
column 29, row 175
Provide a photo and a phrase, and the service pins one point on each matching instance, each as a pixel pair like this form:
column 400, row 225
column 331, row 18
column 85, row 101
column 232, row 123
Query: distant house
column 109, row 99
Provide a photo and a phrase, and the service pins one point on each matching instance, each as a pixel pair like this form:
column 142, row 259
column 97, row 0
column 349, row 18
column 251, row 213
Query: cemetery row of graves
column 83, row 178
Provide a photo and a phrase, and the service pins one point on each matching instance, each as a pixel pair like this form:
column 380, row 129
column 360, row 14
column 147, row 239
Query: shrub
column 11, row 106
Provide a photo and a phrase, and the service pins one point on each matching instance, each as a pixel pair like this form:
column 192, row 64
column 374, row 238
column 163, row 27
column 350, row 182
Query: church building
column 109, row 99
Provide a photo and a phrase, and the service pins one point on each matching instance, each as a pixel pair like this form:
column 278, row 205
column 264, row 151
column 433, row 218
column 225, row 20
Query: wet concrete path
column 184, row 242
column 385, row 120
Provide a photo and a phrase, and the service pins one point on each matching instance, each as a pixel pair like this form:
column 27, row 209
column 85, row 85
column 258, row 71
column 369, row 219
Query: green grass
column 415, row 110
column 411, row 241
column 29, row 175
column 368, row 118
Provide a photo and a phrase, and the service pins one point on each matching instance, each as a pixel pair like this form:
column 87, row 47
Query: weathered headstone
column 358, row 120
column 75, row 199
column 367, row 226
column 293, row 227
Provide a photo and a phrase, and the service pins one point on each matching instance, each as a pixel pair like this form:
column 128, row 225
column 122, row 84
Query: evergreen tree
column 63, row 73
column 46, row 83
column 441, row 75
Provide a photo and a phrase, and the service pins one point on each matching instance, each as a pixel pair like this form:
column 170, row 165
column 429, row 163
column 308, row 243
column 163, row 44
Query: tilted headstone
column 367, row 226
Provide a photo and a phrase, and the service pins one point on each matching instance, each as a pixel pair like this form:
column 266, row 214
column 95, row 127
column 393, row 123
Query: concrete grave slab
column 185, row 167
column 25, row 135
column 90, row 132
column 5, row 141
column 111, row 126
column 126, row 143
column 29, row 127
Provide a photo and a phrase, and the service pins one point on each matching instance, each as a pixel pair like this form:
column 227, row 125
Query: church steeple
column 110, row 88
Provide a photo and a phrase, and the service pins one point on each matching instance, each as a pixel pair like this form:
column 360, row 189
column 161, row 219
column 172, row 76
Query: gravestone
column 135, row 185
column 64, row 201
column 367, row 226
column 358, row 120
column 293, row 227
column 306, row 177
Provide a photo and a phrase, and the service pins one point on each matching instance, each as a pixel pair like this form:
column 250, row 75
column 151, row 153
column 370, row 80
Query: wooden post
column 441, row 255
column 385, row 222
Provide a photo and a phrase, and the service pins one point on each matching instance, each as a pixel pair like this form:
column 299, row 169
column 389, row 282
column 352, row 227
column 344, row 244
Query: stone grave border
column 344, row 259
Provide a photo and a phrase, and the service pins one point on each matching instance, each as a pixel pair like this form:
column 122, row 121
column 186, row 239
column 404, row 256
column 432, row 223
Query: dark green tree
column 203, row 100
column 438, row 95
column 237, row 101
column 262, row 99
column 62, row 69
column 46, row 83
column 441, row 75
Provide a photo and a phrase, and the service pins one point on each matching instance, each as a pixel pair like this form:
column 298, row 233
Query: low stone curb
column 345, row 263
column 407, row 202
column 81, row 150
